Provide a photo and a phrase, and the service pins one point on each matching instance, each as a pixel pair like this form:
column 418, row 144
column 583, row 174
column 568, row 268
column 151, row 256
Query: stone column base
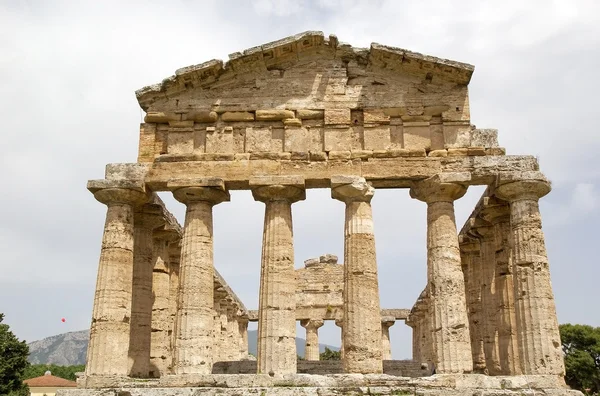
column 335, row 384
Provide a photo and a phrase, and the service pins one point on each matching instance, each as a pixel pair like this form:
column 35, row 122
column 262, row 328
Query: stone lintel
column 95, row 185
column 293, row 181
column 321, row 313
column 214, row 182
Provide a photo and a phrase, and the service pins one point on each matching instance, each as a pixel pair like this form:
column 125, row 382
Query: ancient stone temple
column 311, row 112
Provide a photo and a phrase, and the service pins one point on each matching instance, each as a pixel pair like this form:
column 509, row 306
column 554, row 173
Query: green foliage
column 330, row 355
column 13, row 360
column 66, row 372
column 581, row 346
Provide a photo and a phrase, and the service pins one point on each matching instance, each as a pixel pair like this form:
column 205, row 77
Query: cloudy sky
column 69, row 71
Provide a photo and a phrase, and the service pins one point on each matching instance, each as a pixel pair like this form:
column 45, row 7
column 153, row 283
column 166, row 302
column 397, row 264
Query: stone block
column 292, row 122
column 328, row 259
column 362, row 154
column 337, row 117
column 377, row 138
column 237, row 116
column 295, row 181
column 339, row 155
column 305, row 114
column 438, row 153
column 417, row 135
column 147, row 143
column 318, row 156
column 219, row 140
column 338, row 139
column 495, row 151
column 180, row 141
column 273, row 115
column 375, row 116
column 297, row 140
column 456, row 135
column 396, row 136
column 486, row 138
column 258, row 139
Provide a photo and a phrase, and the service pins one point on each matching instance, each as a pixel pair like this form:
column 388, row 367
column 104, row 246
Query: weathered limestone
column 160, row 345
column 386, row 346
column 193, row 340
column 498, row 214
column 296, row 114
column 109, row 333
column 538, row 336
column 484, row 231
column 471, row 264
column 149, row 218
column 311, row 350
column 243, row 331
column 362, row 323
column 277, row 316
column 340, row 323
column 451, row 340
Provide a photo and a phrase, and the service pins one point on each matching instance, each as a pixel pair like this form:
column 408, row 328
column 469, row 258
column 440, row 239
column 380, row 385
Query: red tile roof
column 50, row 381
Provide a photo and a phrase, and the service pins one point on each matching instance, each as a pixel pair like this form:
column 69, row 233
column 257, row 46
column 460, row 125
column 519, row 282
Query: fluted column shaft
column 141, row 297
column 471, row 262
column 537, row 325
column 362, row 316
column 174, row 257
column 451, row 339
column 340, row 323
column 160, row 346
column 109, row 334
column 277, row 305
column 497, row 213
column 194, row 338
column 243, row 330
column 386, row 346
column 484, row 231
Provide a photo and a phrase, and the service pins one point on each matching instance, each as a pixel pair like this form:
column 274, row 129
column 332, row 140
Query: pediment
column 309, row 71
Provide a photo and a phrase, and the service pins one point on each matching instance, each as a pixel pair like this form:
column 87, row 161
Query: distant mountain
column 70, row 348
column 63, row 349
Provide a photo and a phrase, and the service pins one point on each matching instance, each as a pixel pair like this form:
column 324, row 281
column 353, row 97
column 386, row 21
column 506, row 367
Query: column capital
column 351, row 188
column 387, row 321
column 166, row 234
column 278, row 188
column 440, row 188
column 118, row 193
column 480, row 229
column 210, row 190
column 494, row 212
column 522, row 185
column 311, row 323
column 468, row 244
column 339, row 323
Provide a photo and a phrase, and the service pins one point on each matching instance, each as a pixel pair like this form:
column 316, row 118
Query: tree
column 330, row 355
column 581, row 347
column 13, row 362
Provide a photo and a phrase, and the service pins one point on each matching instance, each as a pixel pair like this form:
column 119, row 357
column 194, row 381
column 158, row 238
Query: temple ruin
column 307, row 112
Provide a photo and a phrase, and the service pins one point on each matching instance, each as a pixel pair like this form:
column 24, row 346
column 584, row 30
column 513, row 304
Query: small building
column 47, row 384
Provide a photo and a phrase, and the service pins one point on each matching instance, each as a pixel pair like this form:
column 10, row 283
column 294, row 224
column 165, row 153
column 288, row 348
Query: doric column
column 311, row 350
column 109, row 334
column 471, row 264
column 233, row 333
column 148, row 218
column 497, row 213
column 451, row 340
column 362, row 316
column 426, row 347
column 537, row 325
column 277, row 305
column 386, row 346
column 219, row 328
column 484, row 231
column 160, row 346
column 243, row 330
column 340, row 323
column 193, row 340
column 174, row 257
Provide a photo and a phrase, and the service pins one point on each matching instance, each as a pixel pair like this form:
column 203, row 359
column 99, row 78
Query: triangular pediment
column 309, row 71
